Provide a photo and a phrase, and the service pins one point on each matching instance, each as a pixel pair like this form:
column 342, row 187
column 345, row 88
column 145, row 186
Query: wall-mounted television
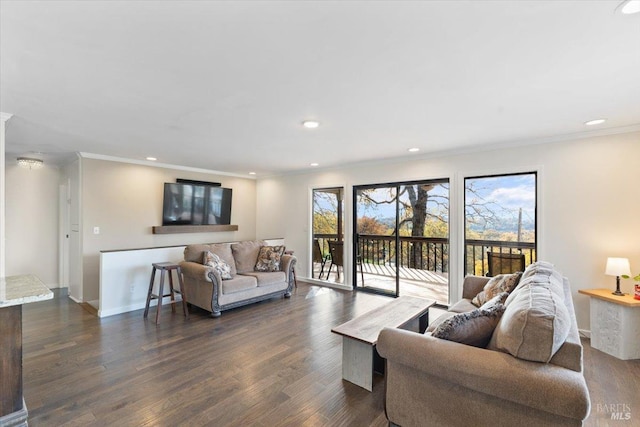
column 193, row 204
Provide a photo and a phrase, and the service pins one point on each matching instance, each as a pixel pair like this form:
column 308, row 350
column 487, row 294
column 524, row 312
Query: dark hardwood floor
column 268, row 364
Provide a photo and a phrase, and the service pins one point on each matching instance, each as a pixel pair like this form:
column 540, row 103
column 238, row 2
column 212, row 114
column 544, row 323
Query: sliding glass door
column 401, row 239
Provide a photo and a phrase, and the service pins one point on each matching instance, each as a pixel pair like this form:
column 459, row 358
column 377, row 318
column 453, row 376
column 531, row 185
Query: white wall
column 589, row 203
column 125, row 201
column 32, row 221
column 4, row 117
column 124, row 277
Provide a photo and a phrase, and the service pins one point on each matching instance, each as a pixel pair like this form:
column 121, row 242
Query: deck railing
column 476, row 253
column 428, row 253
column 423, row 253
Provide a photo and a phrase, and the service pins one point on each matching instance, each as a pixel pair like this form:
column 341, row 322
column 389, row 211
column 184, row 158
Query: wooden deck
column 413, row 281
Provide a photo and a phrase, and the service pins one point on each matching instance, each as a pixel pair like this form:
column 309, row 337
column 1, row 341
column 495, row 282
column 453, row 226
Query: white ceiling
column 226, row 85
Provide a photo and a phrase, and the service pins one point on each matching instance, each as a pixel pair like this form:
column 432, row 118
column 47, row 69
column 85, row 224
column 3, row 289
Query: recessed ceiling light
column 628, row 7
column 314, row 164
column 252, row 173
column 595, row 122
column 310, row 124
column 413, row 150
column 153, row 159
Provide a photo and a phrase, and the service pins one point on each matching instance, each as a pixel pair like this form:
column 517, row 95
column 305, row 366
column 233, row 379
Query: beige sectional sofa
column 529, row 374
column 242, row 273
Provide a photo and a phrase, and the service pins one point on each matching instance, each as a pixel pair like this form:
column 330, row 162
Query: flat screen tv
column 191, row 204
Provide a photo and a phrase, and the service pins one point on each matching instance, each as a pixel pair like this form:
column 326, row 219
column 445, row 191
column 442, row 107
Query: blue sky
column 505, row 195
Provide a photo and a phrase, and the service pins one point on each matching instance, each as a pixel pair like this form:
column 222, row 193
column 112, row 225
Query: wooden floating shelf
column 175, row 229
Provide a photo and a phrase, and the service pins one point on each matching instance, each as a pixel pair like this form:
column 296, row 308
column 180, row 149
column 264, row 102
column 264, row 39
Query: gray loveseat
column 206, row 288
column 530, row 373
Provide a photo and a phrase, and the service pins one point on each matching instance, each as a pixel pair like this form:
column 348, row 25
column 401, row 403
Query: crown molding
column 160, row 165
column 465, row 150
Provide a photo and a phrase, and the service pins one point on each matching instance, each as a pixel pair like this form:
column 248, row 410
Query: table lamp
column 617, row 267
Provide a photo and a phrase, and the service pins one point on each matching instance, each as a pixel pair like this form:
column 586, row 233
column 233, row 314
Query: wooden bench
column 360, row 335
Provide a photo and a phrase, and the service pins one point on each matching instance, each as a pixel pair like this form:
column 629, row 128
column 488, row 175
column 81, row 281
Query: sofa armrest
column 287, row 262
column 197, row 271
column 473, row 285
column 542, row 386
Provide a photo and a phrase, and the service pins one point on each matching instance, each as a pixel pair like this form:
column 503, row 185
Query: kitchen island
column 14, row 292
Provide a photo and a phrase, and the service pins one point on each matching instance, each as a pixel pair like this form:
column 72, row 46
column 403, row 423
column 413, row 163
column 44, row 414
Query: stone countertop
column 18, row 290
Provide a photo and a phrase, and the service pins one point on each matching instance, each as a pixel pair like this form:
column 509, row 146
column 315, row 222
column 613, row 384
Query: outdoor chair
column 336, row 249
column 319, row 257
column 501, row 263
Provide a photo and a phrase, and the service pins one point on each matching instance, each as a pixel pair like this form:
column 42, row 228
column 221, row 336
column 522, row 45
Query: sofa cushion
column 545, row 272
column 539, row 267
column 535, row 323
column 246, row 254
column 223, row 250
column 238, row 284
column 214, row 261
column 496, row 285
column 269, row 258
column 193, row 253
column 268, row 278
column 462, row 306
column 444, row 316
column 474, row 327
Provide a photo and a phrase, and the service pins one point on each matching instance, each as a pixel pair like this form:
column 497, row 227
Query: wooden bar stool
column 166, row 267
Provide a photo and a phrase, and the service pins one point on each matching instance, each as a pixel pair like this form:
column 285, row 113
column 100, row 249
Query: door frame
column 64, row 228
column 355, row 239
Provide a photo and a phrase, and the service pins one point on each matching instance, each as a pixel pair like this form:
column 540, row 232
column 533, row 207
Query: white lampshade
column 618, row 267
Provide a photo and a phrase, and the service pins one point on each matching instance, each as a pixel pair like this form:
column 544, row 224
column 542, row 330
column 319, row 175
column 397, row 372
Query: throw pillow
column 269, row 258
column 498, row 299
column 214, row 261
column 496, row 285
column 472, row 328
column 433, row 325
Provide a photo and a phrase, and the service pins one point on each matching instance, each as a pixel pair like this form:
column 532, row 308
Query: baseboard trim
column 89, row 308
column 16, row 419
column 317, row 282
column 137, row 306
column 585, row 333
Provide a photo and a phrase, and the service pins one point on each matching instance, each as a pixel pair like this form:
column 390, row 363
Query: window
column 500, row 217
column 328, row 218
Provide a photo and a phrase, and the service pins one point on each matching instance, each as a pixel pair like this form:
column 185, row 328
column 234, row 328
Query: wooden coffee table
column 360, row 336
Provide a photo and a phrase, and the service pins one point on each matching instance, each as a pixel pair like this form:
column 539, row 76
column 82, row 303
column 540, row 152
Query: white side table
column 615, row 323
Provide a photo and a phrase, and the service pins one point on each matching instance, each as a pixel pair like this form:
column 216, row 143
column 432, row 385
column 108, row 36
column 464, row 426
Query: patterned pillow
column 472, row 328
column 496, row 285
column 498, row 299
column 212, row 260
column 269, row 258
